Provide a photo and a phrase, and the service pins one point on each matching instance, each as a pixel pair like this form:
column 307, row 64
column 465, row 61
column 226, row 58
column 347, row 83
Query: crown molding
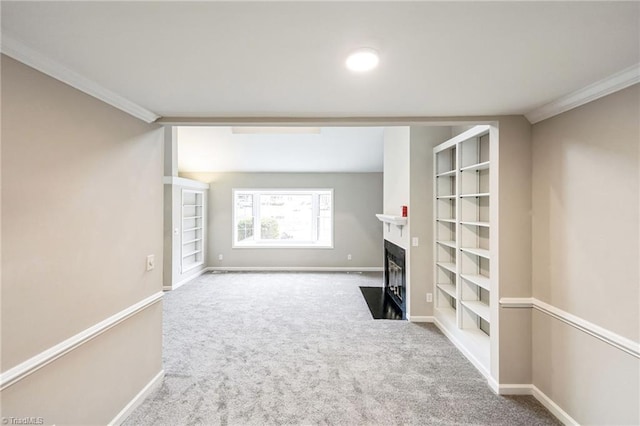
column 22, row 53
column 599, row 89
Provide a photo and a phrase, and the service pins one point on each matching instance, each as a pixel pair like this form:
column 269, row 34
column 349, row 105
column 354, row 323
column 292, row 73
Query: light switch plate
column 151, row 262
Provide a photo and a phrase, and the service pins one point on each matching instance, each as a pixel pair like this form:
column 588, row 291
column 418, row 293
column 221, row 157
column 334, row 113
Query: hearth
column 395, row 286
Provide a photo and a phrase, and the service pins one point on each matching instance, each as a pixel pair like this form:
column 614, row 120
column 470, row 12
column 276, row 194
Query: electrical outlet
column 414, row 241
column 429, row 297
column 220, row 257
column 151, row 262
column 349, row 257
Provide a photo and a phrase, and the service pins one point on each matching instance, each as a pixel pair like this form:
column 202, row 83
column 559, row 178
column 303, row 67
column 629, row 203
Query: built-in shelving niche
column 462, row 229
column 192, row 236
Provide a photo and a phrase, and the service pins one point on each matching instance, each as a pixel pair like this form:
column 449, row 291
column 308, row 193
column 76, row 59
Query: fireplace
column 395, row 283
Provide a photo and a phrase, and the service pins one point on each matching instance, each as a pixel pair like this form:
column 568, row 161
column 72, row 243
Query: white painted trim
column 20, row 52
column 462, row 348
column 529, row 389
column 175, row 180
column 493, row 385
column 514, row 389
column 607, row 336
column 597, row 90
column 553, row 407
column 516, row 302
column 46, row 357
column 418, row 318
column 186, row 280
column 295, row 269
column 138, row 399
column 473, row 132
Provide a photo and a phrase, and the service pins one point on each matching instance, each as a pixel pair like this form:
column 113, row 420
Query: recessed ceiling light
column 362, row 60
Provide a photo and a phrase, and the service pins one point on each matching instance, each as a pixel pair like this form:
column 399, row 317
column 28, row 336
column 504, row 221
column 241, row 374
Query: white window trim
column 256, row 212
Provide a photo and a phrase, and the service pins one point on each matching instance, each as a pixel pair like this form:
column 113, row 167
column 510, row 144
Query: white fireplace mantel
column 389, row 220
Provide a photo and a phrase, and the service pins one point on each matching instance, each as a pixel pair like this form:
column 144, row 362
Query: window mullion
column 315, row 207
column 256, row 216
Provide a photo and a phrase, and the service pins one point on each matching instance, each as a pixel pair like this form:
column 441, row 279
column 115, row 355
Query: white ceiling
column 334, row 149
column 255, row 59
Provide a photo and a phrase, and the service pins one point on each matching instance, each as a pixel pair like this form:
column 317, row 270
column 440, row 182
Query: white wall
column 397, row 181
column 586, row 232
column 81, row 210
column 357, row 198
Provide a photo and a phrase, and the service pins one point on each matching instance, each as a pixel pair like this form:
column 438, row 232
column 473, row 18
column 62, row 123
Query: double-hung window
column 283, row 218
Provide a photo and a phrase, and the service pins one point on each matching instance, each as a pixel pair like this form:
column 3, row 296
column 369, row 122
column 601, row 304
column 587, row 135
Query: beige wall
column 81, row 210
column 512, row 264
column 422, row 141
column 586, row 234
column 357, row 198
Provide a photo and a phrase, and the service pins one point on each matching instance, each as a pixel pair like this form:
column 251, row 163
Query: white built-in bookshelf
column 192, row 236
column 463, row 243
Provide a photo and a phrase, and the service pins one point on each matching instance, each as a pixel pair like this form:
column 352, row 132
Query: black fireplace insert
column 395, row 286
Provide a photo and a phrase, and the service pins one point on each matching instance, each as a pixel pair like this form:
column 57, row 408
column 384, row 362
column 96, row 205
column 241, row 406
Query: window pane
column 244, row 217
column 324, row 220
column 286, row 217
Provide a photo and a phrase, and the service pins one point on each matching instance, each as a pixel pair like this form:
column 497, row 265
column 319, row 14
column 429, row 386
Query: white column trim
column 36, row 60
column 597, row 90
column 33, row 364
column 607, row 336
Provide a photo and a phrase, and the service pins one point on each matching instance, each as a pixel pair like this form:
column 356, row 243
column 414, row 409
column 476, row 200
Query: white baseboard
column 186, row 280
column 46, row 357
column 553, row 407
column 138, row 399
column 515, row 389
column 296, row 268
column 453, row 339
column 418, row 318
column 529, row 389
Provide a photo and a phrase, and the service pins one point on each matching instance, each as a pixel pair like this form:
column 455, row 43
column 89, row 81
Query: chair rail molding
column 607, row 336
column 33, row 364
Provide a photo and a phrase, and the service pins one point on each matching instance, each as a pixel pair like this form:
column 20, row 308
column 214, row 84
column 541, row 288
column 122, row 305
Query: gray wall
column 512, row 266
column 586, row 232
column 357, row 198
column 422, row 141
column 81, row 210
column 408, row 180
